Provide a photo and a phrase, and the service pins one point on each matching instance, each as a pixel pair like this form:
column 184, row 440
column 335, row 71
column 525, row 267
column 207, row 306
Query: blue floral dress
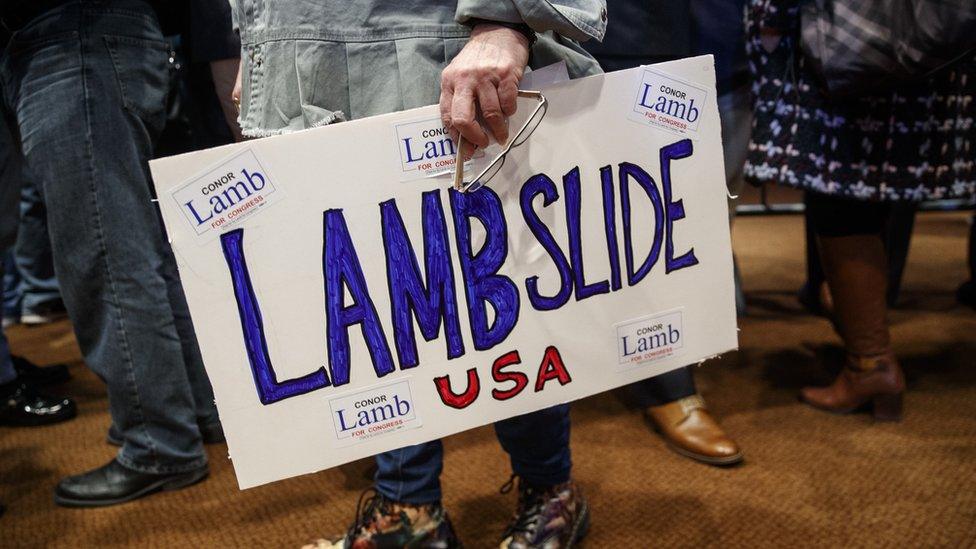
column 915, row 143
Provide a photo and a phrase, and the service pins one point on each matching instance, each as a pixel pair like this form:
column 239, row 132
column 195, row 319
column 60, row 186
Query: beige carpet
column 810, row 479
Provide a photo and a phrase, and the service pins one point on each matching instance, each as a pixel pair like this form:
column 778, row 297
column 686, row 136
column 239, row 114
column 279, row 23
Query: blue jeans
column 85, row 86
column 11, row 283
column 665, row 388
column 7, row 371
column 537, row 444
column 29, row 284
column 9, row 190
column 37, row 286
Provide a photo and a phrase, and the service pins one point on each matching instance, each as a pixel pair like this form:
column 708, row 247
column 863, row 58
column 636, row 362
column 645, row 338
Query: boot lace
column 531, row 504
column 370, row 501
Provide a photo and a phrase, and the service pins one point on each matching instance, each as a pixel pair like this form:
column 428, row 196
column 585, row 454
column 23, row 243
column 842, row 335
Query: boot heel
column 888, row 407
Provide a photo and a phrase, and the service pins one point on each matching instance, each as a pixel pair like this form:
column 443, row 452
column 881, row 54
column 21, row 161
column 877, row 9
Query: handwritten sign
column 346, row 311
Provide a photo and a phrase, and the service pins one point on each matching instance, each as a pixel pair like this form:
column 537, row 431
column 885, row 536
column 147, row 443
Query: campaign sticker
column 666, row 102
column 650, row 338
column 226, row 194
column 426, row 150
column 373, row 412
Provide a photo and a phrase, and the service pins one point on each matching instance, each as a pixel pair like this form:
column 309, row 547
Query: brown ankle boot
column 856, row 270
column 875, row 380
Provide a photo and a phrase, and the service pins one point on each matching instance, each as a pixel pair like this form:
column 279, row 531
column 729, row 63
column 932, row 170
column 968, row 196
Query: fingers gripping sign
column 479, row 87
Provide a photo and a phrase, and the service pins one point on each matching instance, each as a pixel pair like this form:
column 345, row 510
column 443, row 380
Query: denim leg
column 538, row 445
column 203, row 397
column 412, row 474
column 9, row 183
column 32, row 253
column 11, row 283
column 88, row 105
column 7, row 371
column 665, row 388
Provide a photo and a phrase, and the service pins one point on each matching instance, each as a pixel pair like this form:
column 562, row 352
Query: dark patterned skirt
column 915, row 143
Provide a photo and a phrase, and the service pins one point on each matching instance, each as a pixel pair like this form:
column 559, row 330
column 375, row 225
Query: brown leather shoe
column 876, row 380
column 691, row 431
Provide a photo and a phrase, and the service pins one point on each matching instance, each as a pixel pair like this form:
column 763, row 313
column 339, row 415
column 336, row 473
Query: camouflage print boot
column 385, row 524
column 554, row 517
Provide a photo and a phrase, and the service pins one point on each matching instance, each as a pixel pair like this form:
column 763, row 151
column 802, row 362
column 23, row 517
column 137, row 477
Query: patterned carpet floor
column 810, row 479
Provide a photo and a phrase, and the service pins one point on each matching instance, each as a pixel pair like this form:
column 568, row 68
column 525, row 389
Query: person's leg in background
column 21, row 404
column 735, row 112
column 7, row 373
column 898, row 239
column 39, row 293
column 9, row 189
column 815, row 295
column 853, row 256
column 90, row 135
column 11, row 288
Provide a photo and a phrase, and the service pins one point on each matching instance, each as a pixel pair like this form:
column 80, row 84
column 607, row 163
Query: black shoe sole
column 162, row 485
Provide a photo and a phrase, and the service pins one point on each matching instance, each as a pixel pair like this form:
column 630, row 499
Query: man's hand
column 481, row 84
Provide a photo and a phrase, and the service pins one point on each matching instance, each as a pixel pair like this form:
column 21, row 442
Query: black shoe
column 22, row 405
column 31, row 373
column 212, row 433
column 113, row 483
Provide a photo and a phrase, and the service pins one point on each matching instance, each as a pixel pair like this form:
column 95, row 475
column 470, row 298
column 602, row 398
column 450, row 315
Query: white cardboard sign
column 346, row 312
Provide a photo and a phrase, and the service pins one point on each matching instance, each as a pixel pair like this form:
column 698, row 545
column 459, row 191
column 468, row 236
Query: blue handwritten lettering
column 343, row 271
column 408, row 296
column 483, row 285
